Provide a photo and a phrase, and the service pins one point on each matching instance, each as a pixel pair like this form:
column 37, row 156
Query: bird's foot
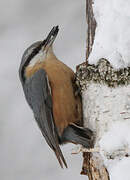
column 80, row 148
column 77, row 149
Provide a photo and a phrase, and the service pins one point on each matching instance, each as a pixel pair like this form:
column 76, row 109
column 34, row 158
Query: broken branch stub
column 91, row 22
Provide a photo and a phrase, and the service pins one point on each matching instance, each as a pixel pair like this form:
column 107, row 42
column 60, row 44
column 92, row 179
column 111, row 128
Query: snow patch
column 117, row 138
column 112, row 37
column 120, row 170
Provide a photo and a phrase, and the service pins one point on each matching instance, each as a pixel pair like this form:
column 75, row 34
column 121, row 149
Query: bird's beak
column 51, row 37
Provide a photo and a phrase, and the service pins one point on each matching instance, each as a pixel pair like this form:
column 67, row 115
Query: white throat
column 38, row 58
column 41, row 56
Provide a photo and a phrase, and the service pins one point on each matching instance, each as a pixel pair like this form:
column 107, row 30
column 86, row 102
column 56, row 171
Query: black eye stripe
column 34, row 52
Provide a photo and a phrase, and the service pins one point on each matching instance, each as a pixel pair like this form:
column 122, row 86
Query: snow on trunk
column 105, row 87
column 112, row 37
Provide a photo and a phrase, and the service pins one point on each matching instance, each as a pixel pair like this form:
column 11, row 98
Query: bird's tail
column 60, row 158
column 78, row 135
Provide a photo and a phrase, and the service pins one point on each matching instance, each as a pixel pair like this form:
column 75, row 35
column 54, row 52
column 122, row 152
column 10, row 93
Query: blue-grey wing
column 38, row 94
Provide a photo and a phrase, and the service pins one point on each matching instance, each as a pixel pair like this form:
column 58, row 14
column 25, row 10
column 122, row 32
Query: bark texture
column 106, row 98
column 90, row 166
column 91, row 26
column 100, row 85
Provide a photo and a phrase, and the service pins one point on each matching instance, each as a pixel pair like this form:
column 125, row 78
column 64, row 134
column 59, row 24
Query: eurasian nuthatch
column 50, row 91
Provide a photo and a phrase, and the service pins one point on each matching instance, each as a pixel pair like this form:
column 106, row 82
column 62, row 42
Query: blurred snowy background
column 24, row 155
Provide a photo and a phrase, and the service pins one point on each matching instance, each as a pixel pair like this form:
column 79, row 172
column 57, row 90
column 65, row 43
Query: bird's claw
column 79, row 149
column 76, row 150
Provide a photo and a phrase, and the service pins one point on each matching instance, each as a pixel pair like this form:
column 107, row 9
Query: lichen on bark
column 102, row 73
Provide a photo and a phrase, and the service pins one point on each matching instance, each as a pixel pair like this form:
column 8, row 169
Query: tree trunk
column 90, row 166
column 93, row 165
column 106, row 96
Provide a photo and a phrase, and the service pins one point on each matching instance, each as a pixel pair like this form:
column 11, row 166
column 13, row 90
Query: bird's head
column 38, row 51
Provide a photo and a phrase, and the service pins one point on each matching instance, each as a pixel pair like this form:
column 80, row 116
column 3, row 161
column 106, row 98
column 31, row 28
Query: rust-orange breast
column 66, row 107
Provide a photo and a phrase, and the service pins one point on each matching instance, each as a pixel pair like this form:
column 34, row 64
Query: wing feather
column 38, row 95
